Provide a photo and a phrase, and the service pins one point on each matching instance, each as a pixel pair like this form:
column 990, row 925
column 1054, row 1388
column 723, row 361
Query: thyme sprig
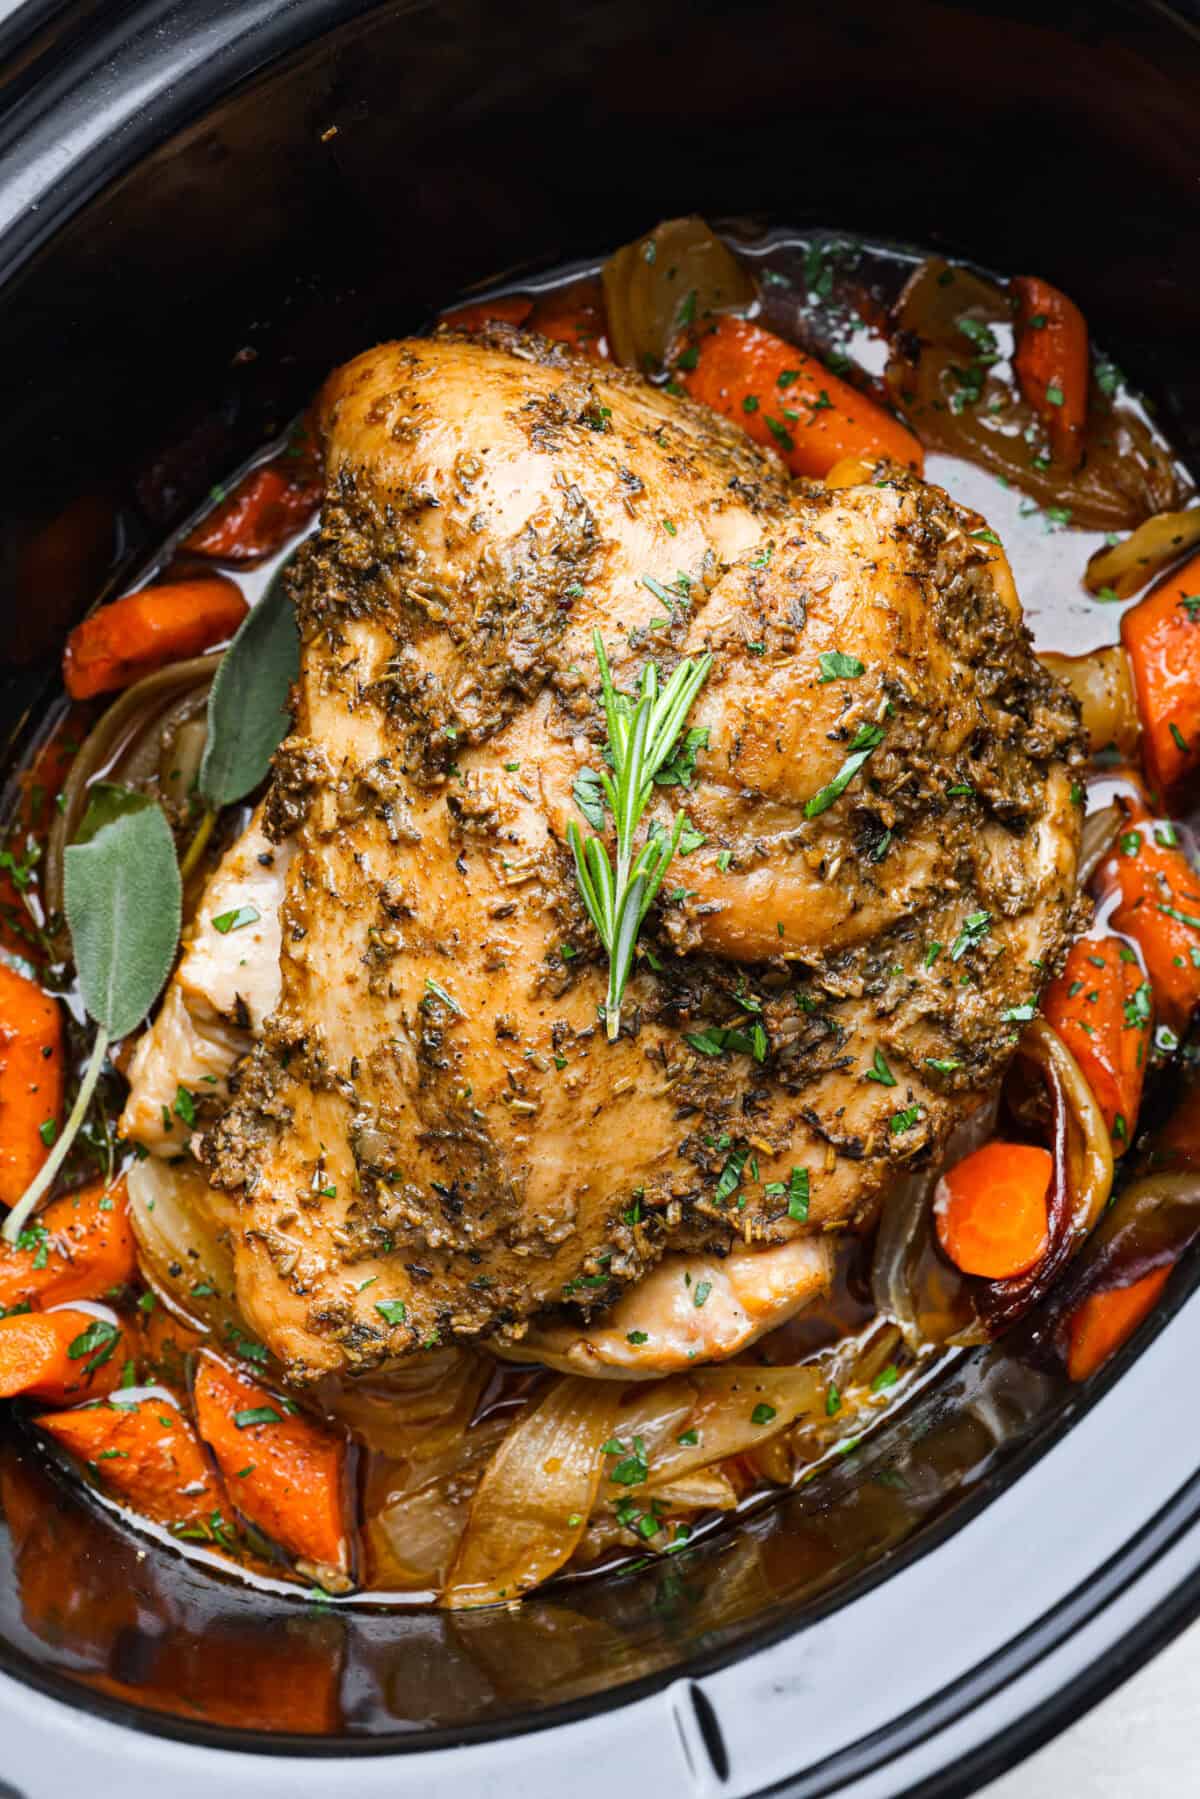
column 642, row 734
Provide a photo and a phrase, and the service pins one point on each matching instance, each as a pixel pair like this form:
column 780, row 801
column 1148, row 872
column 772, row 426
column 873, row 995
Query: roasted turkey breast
column 431, row 1138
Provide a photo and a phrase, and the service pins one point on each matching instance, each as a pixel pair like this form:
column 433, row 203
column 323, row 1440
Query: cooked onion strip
column 1122, row 569
column 1103, row 684
column 125, row 745
column 905, row 1224
column 734, row 1409
column 533, row 1503
column 1082, row 1182
column 1151, row 1225
column 675, row 277
column 180, row 1244
column 1100, row 831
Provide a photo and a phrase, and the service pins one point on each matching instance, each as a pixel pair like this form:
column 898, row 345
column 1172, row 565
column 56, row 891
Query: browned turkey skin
column 432, row 1140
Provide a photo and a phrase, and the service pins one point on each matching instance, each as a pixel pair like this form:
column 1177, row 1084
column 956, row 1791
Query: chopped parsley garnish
column 236, row 920
column 392, row 1311
column 880, row 1072
column 837, row 665
column 762, row 1413
column 634, row 1467
column 730, row 1177
column 905, row 1119
column 975, row 928
column 256, row 1414
column 866, row 740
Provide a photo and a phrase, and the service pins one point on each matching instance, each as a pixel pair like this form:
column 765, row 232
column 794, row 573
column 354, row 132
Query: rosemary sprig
column 641, row 737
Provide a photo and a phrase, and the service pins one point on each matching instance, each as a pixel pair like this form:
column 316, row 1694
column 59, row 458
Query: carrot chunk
column 268, row 505
column 58, row 1356
column 1102, row 1323
column 790, row 402
column 284, row 1472
column 1161, row 635
column 133, row 636
column 146, row 1454
column 1102, row 1007
column 508, row 309
column 991, row 1211
column 80, row 1247
column 31, row 1080
column 1159, row 907
column 1051, row 362
column 575, row 316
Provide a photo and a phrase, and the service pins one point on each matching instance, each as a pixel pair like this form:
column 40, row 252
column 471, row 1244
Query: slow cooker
column 205, row 205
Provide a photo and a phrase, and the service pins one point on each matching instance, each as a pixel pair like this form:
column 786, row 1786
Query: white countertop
column 1143, row 1742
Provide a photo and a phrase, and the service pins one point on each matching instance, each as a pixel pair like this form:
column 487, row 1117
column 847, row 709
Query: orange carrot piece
column 991, row 1212
column 80, row 1247
column 284, row 1472
column 144, row 631
column 790, row 402
column 31, row 1080
column 59, row 1356
column 1159, row 907
column 146, row 1454
column 1051, row 362
column 1161, row 635
column 575, row 316
column 1102, row 1323
column 508, row 309
column 268, row 505
column 1101, row 1007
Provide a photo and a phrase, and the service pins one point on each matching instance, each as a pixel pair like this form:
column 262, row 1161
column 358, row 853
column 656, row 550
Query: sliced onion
column 1081, row 1183
column 533, row 1503
column 1123, row 569
column 414, row 1535
column 678, row 275
column 182, row 1245
column 905, row 1227
column 734, row 1408
column 124, row 746
column 1151, row 1225
column 1100, row 831
column 1102, row 683
column 957, row 391
column 416, row 1411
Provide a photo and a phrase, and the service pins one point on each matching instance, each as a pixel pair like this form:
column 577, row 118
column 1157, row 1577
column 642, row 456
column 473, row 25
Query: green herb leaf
column 236, row 920
column 866, row 740
column 122, row 895
column 836, row 665
column 588, row 795
column 879, row 1071
column 247, row 708
column 123, row 899
column 256, row 1414
column 392, row 1311
column 642, row 738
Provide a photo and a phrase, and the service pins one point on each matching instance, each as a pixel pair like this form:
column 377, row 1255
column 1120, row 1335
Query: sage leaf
column 122, row 895
column 106, row 803
column 248, row 705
